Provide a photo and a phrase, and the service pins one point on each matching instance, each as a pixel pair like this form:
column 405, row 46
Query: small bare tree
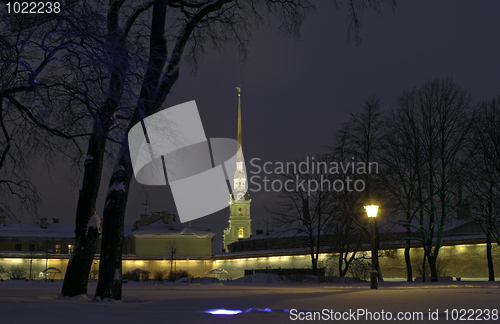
column 171, row 248
column 306, row 205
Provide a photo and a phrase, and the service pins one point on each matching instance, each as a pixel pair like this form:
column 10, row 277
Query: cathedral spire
column 239, row 113
column 240, row 226
column 240, row 179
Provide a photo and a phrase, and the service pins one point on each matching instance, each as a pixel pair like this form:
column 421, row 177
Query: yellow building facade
column 466, row 261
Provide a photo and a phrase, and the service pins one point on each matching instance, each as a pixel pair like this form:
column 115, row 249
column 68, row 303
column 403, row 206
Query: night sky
column 297, row 92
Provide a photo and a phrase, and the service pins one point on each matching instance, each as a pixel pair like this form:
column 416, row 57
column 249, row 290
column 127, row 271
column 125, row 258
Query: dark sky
column 296, row 93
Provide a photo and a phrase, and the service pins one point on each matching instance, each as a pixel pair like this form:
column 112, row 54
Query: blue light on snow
column 258, row 310
column 223, row 311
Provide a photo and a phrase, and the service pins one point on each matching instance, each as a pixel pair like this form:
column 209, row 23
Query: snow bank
column 259, row 278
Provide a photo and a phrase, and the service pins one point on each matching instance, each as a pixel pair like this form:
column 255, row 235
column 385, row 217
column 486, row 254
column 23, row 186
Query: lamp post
column 371, row 211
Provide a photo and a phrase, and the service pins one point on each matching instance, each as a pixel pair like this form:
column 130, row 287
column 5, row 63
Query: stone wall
column 465, row 261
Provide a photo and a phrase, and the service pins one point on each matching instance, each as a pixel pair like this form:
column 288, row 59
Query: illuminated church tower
column 239, row 203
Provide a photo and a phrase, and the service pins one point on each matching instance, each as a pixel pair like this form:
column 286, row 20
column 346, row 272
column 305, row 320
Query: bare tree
column 360, row 141
column 347, row 223
column 306, row 204
column 39, row 107
column 483, row 183
column 112, row 44
column 171, row 248
column 438, row 113
column 62, row 95
column 402, row 159
column 347, row 238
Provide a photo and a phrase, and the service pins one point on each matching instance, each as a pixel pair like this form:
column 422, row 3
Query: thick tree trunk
column 86, row 239
column 154, row 91
column 491, row 269
column 110, row 267
column 77, row 274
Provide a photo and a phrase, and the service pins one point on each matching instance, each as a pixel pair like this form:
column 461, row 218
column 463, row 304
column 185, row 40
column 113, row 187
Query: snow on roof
column 449, row 224
column 160, row 228
column 35, row 230
column 67, row 230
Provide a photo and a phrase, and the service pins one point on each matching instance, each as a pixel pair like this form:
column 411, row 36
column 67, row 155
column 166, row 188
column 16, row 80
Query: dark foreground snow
column 39, row 302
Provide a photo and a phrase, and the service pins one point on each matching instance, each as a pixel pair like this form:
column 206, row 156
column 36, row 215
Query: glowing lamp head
column 371, row 210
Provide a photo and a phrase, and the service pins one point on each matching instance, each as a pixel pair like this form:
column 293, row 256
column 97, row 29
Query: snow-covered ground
column 39, row 302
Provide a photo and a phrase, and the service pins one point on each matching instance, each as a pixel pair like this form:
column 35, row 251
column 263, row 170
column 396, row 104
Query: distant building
column 158, row 235
column 42, row 237
column 155, row 242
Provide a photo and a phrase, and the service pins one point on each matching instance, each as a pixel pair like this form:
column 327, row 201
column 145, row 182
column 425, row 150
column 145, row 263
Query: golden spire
column 239, row 113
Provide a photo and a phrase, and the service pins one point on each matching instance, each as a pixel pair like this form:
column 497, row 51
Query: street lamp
column 371, row 211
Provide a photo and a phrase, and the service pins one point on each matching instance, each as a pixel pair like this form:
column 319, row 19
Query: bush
column 417, row 264
column 131, row 276
column 159, row 275
column 3, row 273
column 17, row 273
column 360, row 269
column 175, row 275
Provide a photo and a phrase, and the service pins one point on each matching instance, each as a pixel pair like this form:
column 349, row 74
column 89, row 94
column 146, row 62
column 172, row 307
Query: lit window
column 70, row 249
column 58, row 249
column 240, row 232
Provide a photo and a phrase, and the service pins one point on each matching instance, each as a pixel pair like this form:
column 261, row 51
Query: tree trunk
column 80, row 263
column 86, row 239
column 423, row 267
column 313, row 259
column 491, row 269
column 110, row 267
column 377, row 247
column 315, row 267
column 154, row 91
column 432, row 265
column 341, row 262
column 409, row 272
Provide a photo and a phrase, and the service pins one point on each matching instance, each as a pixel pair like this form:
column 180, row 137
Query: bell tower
column 239, row 201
